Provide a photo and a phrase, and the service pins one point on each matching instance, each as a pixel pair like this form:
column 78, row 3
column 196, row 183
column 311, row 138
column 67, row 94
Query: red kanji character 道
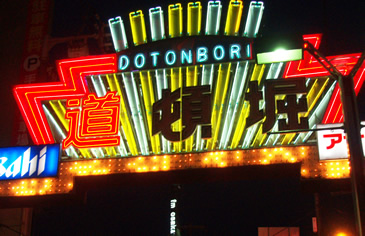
column 97, row 125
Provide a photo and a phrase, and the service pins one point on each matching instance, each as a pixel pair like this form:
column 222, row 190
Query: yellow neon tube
column 257, row 75
column 240, row 125
column 111, row 151
column 315, row 93
column 194, row 18
column 234, row 16
column 138, row 27
column 313, row 96
column 57, row 107
column 175, row 20
column 258, row 72
column 258, row 137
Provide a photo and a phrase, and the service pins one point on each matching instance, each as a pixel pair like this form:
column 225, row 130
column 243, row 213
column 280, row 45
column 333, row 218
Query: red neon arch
column 72, row 74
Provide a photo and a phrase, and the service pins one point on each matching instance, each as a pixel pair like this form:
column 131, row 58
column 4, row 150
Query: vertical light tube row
column 98, row 85
column 318, row 109
column 136, row 111
column 161, row 83
column 256, row 75
column 148, row 98
column 124, row 120
column 219, row 98
column 176, row 83
column 191, row 80
column 234, row 101
column 255, row 131
column 58, row 128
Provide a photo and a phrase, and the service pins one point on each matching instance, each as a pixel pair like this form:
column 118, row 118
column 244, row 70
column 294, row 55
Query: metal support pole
column 352, row 128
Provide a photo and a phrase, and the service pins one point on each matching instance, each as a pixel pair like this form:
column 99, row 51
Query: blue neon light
column 202, row 54
column 29, row 161
column 123, row 62
column 218, row 56
column 186, row 56
column 235, row 51
column 172, row 60
column 142, row 60
column 154, row 58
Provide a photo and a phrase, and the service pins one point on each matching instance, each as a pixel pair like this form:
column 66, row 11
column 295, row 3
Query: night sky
column 221, row 208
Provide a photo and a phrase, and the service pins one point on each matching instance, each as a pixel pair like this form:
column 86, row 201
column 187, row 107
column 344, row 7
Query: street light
column 278, row 48
column 279, row 55
column 351, row 118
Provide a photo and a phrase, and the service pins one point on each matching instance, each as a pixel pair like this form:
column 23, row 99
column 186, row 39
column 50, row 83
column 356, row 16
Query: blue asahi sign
column 29, row 161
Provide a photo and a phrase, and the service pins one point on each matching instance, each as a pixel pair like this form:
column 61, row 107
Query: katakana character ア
column 335, row 139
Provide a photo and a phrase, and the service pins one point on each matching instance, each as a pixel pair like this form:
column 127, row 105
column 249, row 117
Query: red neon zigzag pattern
column 72, row 74
column 310, row 67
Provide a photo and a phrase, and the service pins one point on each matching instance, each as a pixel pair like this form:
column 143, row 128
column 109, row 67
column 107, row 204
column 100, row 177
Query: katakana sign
column 332, row 143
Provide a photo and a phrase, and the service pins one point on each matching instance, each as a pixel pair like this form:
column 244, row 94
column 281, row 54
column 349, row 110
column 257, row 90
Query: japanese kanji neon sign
column 95, row 123
column 72, row 85
column 196, row 110
column 289, row 106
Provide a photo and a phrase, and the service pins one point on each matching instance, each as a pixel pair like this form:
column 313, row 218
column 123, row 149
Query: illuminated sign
column 310, row 67
column 173, row 216
column 184, row 52
column 182, row 91
column 180, row 86
column 196, row 110
column 332, row 143
column 29, row 161
column 290, row 106
column 94, row 122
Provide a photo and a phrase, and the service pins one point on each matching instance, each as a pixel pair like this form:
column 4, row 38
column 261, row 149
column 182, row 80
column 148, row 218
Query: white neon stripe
column 234, row 100
column 58, row 128
column 133, row 100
